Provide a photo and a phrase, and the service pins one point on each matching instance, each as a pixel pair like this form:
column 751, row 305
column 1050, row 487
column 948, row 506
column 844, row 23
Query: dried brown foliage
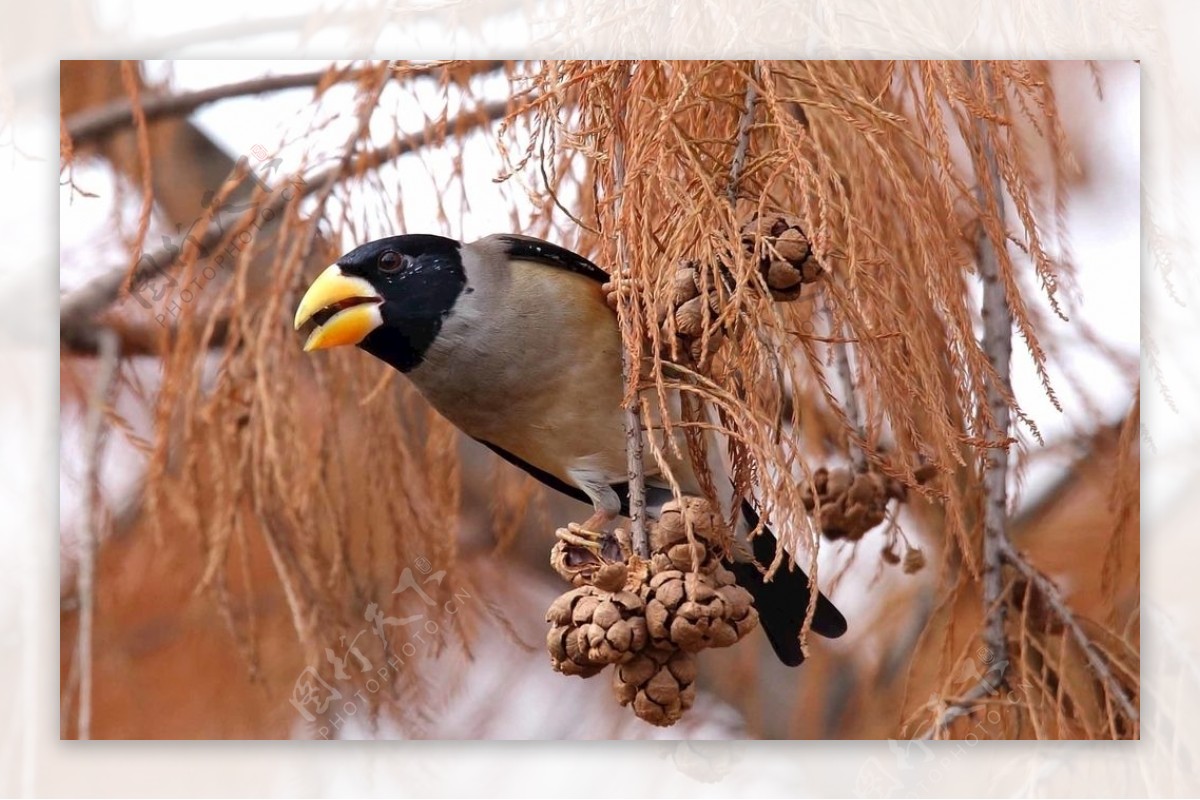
column 346, row 476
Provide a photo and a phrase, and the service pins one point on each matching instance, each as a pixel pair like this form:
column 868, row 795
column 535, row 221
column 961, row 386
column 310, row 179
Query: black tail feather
column 783, row 601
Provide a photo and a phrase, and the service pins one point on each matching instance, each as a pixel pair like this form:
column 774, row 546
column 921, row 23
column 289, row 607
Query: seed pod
column 785, row 255
column 566, row 654
column 850, row 503
column 811, row 270
column 692, row 611
column 708, row 539
column 592, row 628
column 839, row 482
column 768, row 225
column 576, row 565
column 784, row 278
column 792, row 246
column 648, row 617
column 689, row 318
column 659, row 684
column 914, row 560
column 611, row 577
column 683, row 286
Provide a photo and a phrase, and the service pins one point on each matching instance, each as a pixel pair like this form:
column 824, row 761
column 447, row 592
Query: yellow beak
column 354, row 303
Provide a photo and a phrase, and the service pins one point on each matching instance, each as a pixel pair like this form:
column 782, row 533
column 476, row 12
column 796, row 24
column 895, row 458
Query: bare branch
column 139, row 340
column 998, row 549
column 963, row 706
column 97, row 123
column 997, row 344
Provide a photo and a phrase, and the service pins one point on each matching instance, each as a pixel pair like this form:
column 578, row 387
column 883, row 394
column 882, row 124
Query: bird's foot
column 576, row 534
column 591, row 536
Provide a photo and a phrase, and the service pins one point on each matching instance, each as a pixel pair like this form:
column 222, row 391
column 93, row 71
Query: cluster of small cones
column 847, row 503
column 649, row 618
column 785, row 256
column 786, row 263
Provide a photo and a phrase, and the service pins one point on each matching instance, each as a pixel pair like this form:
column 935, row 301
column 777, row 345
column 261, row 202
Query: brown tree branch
column 144, row 340
column 998, row 549
column 997, row 344
column 78, row 309
column 964, row 705
column 629, row 368
column 743, row 138
column 96, row 123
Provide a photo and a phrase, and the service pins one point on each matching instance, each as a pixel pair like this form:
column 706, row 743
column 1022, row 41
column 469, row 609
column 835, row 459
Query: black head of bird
column 389, row 296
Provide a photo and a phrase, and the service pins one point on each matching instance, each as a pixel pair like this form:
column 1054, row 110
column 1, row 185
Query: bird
column 510, row 338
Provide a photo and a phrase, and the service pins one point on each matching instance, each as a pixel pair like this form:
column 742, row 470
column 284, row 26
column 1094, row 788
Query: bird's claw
column 580, row 536
column 607, row 547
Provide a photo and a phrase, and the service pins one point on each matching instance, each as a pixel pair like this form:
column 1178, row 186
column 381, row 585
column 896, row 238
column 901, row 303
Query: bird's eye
column 391, row 261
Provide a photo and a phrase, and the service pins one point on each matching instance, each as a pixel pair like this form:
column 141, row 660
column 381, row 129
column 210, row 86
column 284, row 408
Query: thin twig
column 743, row 140
column 80, row 307
column 629, row 369
column 147, row 340
column 966, row 704
column 96, row 123
column 86, row 577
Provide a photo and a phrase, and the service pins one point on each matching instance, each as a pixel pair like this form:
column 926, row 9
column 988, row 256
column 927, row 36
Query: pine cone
column 659, row 683
column 693, row 611
column 684, row 287
column 709, row 537
column 683, row 591
column 686, row 318
column 591, row 628
column 786, row 260
column 580, row 566
column 851, row 503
